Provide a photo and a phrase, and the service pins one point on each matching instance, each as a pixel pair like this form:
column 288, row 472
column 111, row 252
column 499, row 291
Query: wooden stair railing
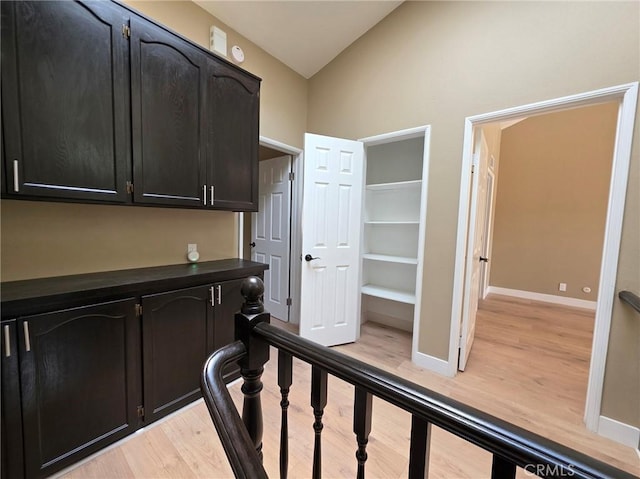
column 631, row 299
column 241, row 438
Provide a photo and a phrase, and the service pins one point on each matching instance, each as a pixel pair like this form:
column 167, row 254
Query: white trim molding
column 431, row 363
column 627, row 96
column 619, row 432
column 545, row 298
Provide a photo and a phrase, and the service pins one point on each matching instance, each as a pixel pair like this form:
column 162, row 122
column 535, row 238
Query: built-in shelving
column 392, row 227
column 392, row 222
column 390, row 258
column 388, row 293
column 396, row 185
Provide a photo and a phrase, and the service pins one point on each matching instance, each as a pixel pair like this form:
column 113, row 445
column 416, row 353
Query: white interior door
column 331, row 225
column 270, row 232
column 475, row 242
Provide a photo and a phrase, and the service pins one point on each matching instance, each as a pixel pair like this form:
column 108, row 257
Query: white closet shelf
column 392, row 222
column 390, row 259
column 396, row 185
column 388, row 293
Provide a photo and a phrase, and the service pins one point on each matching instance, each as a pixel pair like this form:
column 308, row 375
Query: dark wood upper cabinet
column 80, row 382
column 232, row 137
column 168, row 112
column 65, row 100
column 100, row 104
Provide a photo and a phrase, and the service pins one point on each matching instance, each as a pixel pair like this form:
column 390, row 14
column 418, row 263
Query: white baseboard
column 432, row 363
column 546, row 298
column 619, row 432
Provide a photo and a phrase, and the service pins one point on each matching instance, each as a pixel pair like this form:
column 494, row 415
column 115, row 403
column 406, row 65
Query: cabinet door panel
column 176, row 328
column 11, row 411
column 233, row 100
column 167, row 106
column 65, row 95
column 224, row 320
column 80, row 374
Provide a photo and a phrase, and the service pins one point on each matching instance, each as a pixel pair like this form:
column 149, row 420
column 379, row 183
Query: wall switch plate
column 192, row 247
column 562, row 287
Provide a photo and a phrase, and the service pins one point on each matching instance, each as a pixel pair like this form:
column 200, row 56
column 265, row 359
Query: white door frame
column 296, row 232
column 488, row 233
column 627, row 95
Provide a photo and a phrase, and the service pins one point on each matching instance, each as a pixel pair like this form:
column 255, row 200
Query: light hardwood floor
column 528, row 365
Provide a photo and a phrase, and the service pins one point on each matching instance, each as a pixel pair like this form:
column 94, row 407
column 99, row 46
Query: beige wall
column 42, row 239
column 439, row 62
column 551, row 204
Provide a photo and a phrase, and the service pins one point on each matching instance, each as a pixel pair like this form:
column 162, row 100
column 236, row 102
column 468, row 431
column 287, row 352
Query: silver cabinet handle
column 204, row 195
column 27, row 340
column 7, row 341
column 213, row 190
column 219, row 294
column 213, row 301
column 16, row 180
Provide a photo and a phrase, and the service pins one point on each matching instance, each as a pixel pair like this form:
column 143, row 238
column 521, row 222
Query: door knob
column 308, row 257
column 483, row 259
column 252, row 244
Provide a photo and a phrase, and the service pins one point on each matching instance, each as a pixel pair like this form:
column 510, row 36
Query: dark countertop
column 35, row 296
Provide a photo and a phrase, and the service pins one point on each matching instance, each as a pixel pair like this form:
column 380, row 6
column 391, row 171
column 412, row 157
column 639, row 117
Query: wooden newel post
column 252, row 365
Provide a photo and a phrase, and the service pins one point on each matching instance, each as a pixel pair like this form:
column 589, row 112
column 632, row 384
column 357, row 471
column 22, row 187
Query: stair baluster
column 318, row 403
column 362, row 409
column 285, row 378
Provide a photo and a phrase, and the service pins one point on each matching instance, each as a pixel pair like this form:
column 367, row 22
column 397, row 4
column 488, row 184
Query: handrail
column 513, row 443
column 631, row 299
column 510, row 445
column 237, row 444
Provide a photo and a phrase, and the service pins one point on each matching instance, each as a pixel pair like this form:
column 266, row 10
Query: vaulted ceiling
column 304, row 35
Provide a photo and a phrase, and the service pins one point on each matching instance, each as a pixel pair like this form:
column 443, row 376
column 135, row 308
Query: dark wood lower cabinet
column 11, row 410
column 180, row 329
column 88, row 359
column 80, row 377
column 228, row 303
column 176, row 340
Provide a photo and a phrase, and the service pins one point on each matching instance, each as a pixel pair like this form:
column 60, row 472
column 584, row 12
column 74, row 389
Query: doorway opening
column 625, row 97
column 271, row 235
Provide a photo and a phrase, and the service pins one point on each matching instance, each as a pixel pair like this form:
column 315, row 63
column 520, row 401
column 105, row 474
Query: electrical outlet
column 191, row 247
column 562, row 287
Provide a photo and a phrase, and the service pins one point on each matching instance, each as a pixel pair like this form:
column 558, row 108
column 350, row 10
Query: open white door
column 331, row 225
column 475, row 243
column 486, row 239
column 270, row 228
